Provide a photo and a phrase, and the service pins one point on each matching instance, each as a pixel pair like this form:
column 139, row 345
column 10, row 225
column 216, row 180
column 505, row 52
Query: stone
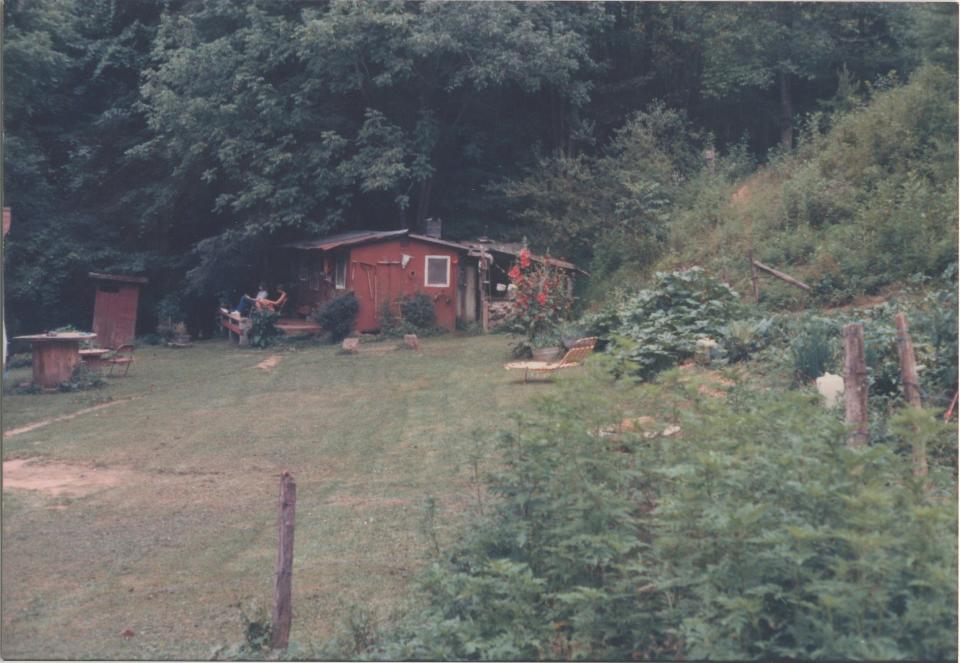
column 410, row 340
column 706, row 349
column 350, row 345
column 830, row 387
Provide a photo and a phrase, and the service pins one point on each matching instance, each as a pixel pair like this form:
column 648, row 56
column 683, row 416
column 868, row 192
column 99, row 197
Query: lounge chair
column 575, row 355
column 122, row 356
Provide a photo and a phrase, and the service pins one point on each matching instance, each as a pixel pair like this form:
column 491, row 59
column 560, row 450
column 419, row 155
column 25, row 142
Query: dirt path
column 46, row 422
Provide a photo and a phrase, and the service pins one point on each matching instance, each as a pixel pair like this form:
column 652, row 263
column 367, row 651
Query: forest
column 178, row 139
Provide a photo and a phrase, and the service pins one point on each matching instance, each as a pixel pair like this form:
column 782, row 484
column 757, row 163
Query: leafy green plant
column 660, row 326
column 419, row 311
column 263, row 328
column 82, row 379
column 743, row 338
column 540, row 302
column 814, row 348
column 744, row 537
column 339, row 315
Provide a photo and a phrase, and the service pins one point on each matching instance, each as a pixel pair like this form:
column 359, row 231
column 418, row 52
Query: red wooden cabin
column 380, row 268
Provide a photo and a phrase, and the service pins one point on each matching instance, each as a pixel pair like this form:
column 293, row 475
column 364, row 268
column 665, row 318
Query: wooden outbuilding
column 381, row 268
column 115, row 308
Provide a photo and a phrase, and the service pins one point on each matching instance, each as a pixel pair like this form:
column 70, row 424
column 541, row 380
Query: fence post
column 282, row 608
column 855, row 384
column 911, row 389
column 754, row 278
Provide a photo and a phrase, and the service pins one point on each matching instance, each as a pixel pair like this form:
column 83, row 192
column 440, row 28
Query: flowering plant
column 540, row 301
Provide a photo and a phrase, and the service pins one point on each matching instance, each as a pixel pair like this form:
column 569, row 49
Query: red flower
column 524, row 258
column 542, row 298
column 514, row 273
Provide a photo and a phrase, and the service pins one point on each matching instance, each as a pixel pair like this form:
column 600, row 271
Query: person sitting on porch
column 273, row 304
column 247, row 302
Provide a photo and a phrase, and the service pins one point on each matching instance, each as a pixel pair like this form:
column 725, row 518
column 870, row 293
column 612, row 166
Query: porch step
column 297, row 326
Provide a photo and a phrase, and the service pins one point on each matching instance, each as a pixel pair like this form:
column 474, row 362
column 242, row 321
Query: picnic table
column 55, row 355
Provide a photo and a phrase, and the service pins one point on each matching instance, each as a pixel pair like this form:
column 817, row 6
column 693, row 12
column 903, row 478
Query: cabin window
column 437, row 271
column 340, row 272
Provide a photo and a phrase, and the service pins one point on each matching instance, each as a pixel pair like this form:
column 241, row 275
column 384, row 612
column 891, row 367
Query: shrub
column 263, row 328
column 814, row 348
column 746, row 537
column 418, row 310
column 339, row 315
column 661, row 326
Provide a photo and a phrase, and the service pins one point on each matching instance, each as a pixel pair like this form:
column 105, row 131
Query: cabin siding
column 377, row 277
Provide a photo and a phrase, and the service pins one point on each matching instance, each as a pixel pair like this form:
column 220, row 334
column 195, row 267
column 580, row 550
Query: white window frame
column 340, row 260
column 426, row 272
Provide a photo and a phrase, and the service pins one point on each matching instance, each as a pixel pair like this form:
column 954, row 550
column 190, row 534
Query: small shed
column 381, row 268
column 115, row 308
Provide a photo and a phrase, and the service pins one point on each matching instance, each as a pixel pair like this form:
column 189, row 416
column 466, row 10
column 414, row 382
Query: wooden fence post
column 754, row 278
column 855, row 384
column 282, row 607
column 911, row 388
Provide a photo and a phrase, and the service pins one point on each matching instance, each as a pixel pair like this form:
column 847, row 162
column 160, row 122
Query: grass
column 188, row 537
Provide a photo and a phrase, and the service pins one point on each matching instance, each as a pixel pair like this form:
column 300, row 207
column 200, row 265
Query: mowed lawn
column 156, row 563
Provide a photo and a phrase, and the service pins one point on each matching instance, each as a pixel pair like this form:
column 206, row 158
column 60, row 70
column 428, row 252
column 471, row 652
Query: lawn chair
column 575, row 355
column 122, row 356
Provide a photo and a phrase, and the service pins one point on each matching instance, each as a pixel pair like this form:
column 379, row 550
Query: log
column 855, row 384
column 282, row 604
column 780, row 275
column 911, row 389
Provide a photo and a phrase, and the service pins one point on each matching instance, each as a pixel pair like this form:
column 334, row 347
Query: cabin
column 467, row 281
column 380, row 268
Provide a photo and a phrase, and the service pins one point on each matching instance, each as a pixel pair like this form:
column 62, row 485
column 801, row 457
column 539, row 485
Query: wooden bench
column 233, row 324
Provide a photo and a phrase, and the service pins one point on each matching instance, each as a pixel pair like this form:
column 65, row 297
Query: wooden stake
column 908, row 363
column 855, row 384
column 754, row 278
column 911, row 389
column 282, row 607
column 780, row 275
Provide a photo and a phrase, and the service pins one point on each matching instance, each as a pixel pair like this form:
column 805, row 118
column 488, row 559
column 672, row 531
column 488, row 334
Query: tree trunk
column 786, row 111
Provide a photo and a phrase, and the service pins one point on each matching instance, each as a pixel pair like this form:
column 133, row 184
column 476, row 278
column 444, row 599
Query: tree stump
column 350, row 345
column 410, row 340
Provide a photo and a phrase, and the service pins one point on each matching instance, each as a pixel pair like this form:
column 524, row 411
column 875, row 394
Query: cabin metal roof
column 362, row 237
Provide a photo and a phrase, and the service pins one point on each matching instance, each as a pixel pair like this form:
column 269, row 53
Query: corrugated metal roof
column 513, row 249
column 363, row 236
column 343, row 239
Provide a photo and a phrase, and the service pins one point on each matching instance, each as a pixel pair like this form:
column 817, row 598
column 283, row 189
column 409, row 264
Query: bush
column 814, row 348
column 263, row 328
column 746, row 537
column 661, row 326
column 338, row 316
column 419, row 311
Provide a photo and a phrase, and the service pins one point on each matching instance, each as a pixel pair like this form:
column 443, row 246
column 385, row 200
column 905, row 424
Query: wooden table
column 55, row 355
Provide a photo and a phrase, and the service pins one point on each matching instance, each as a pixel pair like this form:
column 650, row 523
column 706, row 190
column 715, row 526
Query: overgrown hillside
column 868, row 200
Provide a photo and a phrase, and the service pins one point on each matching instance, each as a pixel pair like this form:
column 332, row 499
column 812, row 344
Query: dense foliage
column 339, row 315
column 181, row 139
column 659, row 327
column 753, row 534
